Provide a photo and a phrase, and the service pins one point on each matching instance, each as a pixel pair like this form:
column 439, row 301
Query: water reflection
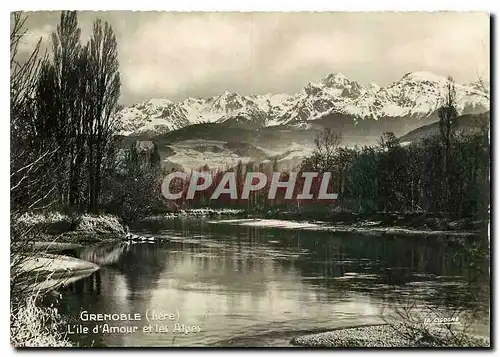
column 261, row 286
column 103, row 254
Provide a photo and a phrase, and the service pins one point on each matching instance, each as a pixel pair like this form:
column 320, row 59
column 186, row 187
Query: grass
column 412, row 323
column 99, row 224
column 31, row 323
column 34, row 326
column 59, row 227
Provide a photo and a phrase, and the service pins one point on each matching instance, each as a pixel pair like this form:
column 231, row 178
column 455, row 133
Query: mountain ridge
column 417, row 95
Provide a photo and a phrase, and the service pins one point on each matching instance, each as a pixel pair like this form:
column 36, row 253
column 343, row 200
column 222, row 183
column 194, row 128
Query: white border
column 188, row 5
column 256, row 5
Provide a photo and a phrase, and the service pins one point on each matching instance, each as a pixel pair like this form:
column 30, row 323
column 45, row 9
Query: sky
column 194, row 54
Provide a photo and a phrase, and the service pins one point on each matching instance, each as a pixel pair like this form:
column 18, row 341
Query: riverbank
column 198, row 213
column 56, row 227
column 32, row 323
column 385, row 335
column 402, row 223
column 368, row 228
column 407, row 220
column 50, row 271
column 36, row 270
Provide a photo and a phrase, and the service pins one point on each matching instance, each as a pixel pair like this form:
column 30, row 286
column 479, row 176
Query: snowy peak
column 339, row 85
column 229, row 102
column 422, row 76
column 335, row 79
column 313, row 89
column 373, row 87
column 153, row 105
column 419, row 94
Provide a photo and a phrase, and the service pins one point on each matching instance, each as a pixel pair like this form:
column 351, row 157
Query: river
column 260, row 286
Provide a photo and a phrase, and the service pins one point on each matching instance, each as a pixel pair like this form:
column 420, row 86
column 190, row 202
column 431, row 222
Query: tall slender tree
column 104, row 88
column 447, row 115
column 66, row 50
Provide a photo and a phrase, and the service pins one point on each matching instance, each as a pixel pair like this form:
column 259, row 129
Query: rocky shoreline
column 383, row 336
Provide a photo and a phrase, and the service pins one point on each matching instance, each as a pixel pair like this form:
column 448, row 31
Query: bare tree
column 327, row 143
column 30, row 167
column 484, row 87
column 31, row 162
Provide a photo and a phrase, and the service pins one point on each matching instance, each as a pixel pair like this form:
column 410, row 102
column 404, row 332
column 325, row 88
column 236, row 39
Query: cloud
column 457, row 46
column 326, row 51
column 30, row 39
column 177, row 55
column 172, row 54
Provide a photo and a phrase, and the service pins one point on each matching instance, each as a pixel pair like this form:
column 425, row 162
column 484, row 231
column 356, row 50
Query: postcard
column 250, row 179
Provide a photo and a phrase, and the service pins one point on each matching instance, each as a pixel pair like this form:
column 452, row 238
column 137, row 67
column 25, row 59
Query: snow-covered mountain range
column 416, row 95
